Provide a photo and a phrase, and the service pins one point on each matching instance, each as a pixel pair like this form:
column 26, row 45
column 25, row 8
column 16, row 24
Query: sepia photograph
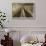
column 22, row 9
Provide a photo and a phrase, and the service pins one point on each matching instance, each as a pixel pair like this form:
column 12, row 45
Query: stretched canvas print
column 22, row 9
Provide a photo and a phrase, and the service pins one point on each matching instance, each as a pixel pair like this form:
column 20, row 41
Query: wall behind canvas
column 40, row 13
